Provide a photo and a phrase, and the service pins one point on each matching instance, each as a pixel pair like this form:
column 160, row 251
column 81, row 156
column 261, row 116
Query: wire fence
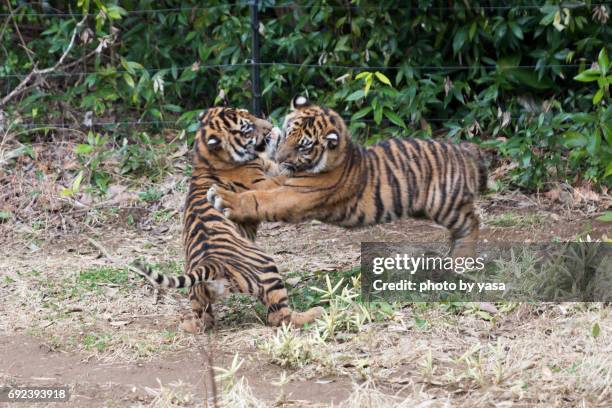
column 174, row 124
column 434, row 68
column 254, row 62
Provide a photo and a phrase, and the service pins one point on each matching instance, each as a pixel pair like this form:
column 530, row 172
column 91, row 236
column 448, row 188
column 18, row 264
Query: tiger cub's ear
column 299, row 101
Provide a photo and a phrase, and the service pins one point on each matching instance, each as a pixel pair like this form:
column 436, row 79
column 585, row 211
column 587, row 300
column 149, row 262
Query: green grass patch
column 511, row 219
column 163, row 215
column 94, row 341
column 91, row 278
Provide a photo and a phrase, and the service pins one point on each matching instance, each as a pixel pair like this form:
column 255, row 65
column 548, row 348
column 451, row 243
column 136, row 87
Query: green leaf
column 594, row 142
column 598, row 96
column 173, row 108
column 588, row 75
column 83, row 148
column 5, row 215
column 603, row 62
column 356, row 95
column 516, row 30
column 572, row 138
column 66, row 192
column 188, row 75
column 508, row 66
column 607, row 217
column 530, row 78
column 76, row 184
column 361, row 113
column 155, row 113
column 129, row 80
column 509, row 62
column 526, row 158
column 115, row 12
column 459, row 39
column 473, row 29
column 355, row 28
column 378, row 113
column 130, row 66
column 394, row 117
column 382, row 78
column 363, row 74
column 368, row 84
column 550, row 12
column 596, row 330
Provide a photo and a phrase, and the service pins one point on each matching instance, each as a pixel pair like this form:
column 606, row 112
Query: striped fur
column 339, row 182
column 220, row 255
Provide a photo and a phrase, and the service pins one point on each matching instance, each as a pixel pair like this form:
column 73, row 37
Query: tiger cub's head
column 229, row 136
column 314, row 139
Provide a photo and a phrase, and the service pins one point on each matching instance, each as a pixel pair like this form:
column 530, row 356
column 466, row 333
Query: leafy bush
column 490, row 71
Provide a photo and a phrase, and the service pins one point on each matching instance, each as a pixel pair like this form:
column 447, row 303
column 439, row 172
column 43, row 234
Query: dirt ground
column 71, row 315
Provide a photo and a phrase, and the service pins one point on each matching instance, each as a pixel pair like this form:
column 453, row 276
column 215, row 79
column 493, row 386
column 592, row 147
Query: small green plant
column 288, row 348
column 163, row 215
column 236, row 391
column 345, row 313
column 599, row 74
column 74, row 187
column 92, row 156
column 144, row 156
column 150, row 195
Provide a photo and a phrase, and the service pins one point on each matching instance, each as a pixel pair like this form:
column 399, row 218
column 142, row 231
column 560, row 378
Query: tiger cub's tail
column 201, row 273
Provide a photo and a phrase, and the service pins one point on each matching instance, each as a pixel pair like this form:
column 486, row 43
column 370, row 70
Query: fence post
column 255, row 58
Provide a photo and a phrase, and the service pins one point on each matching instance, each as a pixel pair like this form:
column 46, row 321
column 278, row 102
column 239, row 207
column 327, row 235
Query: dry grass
column 78, row 302
column 175, row 394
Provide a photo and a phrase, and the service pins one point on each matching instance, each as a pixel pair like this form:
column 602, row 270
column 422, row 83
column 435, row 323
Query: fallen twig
column 102, row 250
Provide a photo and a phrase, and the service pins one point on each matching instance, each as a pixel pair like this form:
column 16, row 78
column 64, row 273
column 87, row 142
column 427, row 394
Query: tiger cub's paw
column 222, row 199
column 300, row 319
column 194, row 325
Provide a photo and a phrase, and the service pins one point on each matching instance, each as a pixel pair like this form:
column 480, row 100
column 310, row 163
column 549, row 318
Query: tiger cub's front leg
column 202, row 296
column 280, row 204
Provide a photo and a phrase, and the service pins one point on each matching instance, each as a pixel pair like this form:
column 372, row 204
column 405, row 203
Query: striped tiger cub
column 339, row 182
column 220, row 256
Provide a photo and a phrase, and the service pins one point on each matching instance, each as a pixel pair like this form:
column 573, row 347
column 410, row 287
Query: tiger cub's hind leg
column 279, row 311
column 273, row 294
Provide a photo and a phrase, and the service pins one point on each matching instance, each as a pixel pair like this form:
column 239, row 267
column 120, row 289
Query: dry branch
column 39, row 72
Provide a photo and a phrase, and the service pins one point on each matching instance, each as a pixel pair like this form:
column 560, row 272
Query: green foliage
column 518, row 77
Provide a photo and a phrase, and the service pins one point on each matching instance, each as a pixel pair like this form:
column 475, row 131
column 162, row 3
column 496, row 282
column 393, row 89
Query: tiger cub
column 220, row 256
column 339, row 182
